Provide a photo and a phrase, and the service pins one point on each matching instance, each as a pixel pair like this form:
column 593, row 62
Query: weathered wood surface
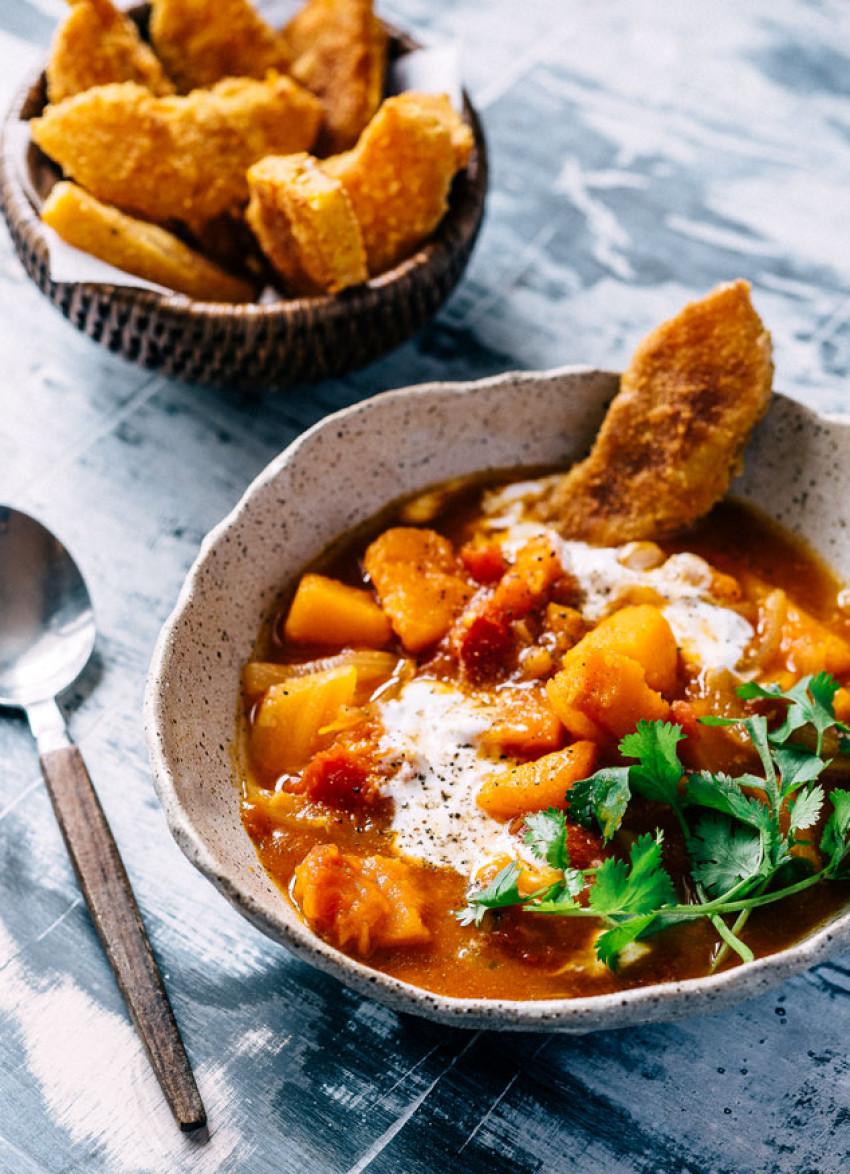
column 641, row 152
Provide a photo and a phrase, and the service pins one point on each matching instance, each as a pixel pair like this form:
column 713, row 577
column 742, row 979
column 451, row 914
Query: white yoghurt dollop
column 431, row 731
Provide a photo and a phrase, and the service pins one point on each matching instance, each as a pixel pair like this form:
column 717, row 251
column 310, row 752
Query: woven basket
column 250, row 346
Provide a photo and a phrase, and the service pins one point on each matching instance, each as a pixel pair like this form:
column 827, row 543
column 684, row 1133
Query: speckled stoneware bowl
column 343, row 471
column 253, row 346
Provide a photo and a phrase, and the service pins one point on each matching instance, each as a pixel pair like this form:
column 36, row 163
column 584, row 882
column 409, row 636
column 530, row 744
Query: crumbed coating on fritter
column 202, row 41
column 441, row 107
column 95, row 45
column 674, row 436
column 176, row 158
column 138, row 247
column 399, row 175
column 339, row 50
column 306, row 225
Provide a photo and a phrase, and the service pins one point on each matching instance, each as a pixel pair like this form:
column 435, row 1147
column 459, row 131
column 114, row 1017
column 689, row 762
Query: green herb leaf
column 750, row 690
column 602, row 798
column 501, row 892
column 805, row 809
column 723, row 853
column 740, row 854
column 561, row 899
column 610, row 944
column 546, row 836
column 641, row 887
column 835, row 841
column 811, row 704
column 722, row 793
column 797, row 765
column 660, row 771
column 756, row 727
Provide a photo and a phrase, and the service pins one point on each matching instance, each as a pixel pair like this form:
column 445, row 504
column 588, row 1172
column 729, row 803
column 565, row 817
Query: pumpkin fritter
column 95, row 45
column 440, row 106
column 137, row 247
column 176, row 158
column 202, row 41
column 674, row 436
column 339, row 50
column 306, row 225
column 400, row 173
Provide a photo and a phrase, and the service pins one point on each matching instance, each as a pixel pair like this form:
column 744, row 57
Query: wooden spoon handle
column 106, row 888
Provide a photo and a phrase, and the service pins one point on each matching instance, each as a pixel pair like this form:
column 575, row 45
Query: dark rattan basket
column 250, row 346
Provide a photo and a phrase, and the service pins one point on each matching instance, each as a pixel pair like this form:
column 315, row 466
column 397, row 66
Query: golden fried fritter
column 440, row 106
column 95, row 45
column 339, row 50
column 202, row 41
column 399, row 175
column 137, row 247
column 184, row 159
column 306, row 225
column 674, row 436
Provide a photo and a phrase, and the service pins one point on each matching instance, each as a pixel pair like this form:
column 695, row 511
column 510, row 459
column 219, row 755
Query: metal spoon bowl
column 47, row 625
column 47, row 635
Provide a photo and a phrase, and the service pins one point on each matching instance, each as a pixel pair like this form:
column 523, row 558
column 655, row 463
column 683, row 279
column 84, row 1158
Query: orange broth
column 517, row 955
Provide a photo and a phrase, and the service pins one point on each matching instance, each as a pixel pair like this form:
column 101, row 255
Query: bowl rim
column 463, row 216
column 659, row 1001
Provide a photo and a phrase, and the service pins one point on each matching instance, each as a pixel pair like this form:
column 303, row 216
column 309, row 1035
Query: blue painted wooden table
column 641, row 152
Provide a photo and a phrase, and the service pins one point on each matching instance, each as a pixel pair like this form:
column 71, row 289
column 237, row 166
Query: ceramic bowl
column 344, row 470
column 253, row 346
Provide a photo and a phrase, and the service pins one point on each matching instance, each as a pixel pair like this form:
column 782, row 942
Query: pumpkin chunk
column 525, row 723
column 420, row 583
column 642, row 633
column 534, row 786
column 808, row 646
column 360, row 903
column 564, row 626
column 325, row 611
column 601, row 695
column 291, row 717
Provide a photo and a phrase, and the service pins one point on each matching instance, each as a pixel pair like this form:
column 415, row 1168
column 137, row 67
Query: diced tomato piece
column 341, row 778
column 486, row 564
column 483, row 644
column 685, row 715
column 586, row 848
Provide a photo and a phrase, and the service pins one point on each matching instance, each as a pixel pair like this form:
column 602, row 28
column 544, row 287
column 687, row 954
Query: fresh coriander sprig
column 739, row 832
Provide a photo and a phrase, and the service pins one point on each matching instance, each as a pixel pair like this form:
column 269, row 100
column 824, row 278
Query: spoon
column 47, row 634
